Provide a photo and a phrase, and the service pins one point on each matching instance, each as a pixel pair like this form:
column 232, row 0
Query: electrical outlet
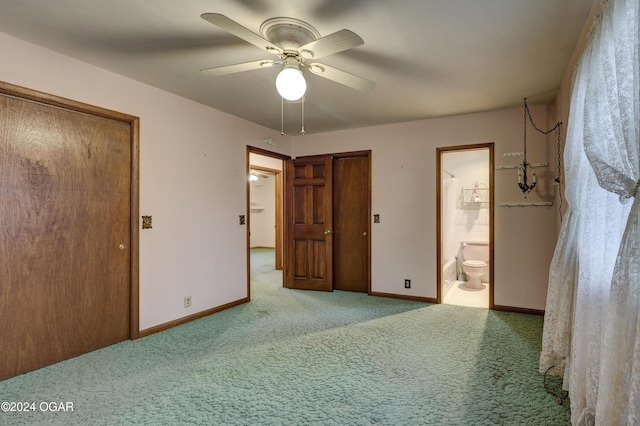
column 407, row 283
column 187, row 301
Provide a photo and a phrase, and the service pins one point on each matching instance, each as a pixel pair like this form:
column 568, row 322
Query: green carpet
column 298, row 357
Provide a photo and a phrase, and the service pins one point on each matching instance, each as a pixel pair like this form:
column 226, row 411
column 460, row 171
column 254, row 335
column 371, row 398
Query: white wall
column 193, row 183
column 404, row 190
column 263, row 222
column 262, row 204
column 192, row 179
column 264, row 161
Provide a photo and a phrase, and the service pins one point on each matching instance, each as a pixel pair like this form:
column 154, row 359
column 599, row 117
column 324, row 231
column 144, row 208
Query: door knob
column 327, row 232
column 364, row 233
column 122, row 246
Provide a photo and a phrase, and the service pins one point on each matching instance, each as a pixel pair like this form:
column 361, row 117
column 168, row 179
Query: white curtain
column 450, row 193
column 612, row 144
column 592, row 317
column 563, row 278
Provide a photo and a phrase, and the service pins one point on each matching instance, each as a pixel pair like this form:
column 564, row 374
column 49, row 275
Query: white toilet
column 476, row 262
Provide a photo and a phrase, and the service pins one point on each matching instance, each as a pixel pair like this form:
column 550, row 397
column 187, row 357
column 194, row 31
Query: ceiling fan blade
column 239, row 31
column 342, row 77
column 333, row 43
column 230, row 69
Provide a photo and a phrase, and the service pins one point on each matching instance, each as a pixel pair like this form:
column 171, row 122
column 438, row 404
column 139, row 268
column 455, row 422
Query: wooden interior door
column 351, row 223
column 309, row 253
column 65, row 233
column 279, row 222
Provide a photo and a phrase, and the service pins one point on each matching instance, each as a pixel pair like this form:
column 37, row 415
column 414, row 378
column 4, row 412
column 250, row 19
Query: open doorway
column 465, row 188
column 265, row 230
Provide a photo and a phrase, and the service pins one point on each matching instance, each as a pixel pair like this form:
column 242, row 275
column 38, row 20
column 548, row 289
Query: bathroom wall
column 470, row 220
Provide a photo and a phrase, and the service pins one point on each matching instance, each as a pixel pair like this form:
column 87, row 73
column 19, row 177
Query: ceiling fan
column 297, row 45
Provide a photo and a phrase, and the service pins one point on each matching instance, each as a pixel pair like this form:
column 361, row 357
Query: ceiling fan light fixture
column 290, row 82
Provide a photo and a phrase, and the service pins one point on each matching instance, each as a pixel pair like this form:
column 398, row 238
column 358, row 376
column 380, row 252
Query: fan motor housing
column 288, row 33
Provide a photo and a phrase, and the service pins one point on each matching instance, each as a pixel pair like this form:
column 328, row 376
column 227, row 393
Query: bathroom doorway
column 465, row 219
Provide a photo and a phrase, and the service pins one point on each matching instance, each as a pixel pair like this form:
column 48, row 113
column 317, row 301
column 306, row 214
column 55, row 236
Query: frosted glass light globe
column 291, row 84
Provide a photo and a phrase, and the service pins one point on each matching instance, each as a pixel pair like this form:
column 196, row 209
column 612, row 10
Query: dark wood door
column 351, row 223
column 309, row 252
column 65, row 234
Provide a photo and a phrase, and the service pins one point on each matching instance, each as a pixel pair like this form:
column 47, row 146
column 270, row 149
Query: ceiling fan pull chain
column 281, row 116
column 302, row 116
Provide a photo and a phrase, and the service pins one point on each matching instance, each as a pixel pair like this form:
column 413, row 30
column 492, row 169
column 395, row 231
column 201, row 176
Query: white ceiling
column 429, row 58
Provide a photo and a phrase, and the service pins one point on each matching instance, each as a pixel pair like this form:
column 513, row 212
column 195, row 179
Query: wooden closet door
column 351, row 223
column 328, row 215
column 65, row 234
